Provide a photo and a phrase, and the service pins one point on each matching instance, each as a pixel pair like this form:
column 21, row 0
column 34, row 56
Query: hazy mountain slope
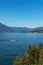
column 20, row 29
column 4, row 28
column 38, row 30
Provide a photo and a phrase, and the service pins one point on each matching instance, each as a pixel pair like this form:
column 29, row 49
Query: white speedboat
column 13, row 40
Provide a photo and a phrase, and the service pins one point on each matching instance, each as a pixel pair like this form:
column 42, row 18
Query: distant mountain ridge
column 4, row 28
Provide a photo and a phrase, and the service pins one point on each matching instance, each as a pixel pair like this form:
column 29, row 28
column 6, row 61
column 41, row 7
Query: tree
column 33, row 56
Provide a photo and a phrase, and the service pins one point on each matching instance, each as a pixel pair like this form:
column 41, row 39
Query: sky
column 21, row 13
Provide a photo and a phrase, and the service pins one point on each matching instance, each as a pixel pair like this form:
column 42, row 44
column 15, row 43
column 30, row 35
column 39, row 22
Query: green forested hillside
column 33, row 56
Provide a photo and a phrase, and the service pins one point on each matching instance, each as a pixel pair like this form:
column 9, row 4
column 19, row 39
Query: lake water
column 13, row 44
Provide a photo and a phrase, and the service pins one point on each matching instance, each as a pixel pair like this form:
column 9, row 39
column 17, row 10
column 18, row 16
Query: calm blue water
column 10, row 49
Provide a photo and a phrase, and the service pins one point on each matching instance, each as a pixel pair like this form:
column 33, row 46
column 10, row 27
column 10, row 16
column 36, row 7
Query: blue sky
column 21, row 13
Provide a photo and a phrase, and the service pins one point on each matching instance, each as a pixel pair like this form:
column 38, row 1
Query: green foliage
column 33, row 56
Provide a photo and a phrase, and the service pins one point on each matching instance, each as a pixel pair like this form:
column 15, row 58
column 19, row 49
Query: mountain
column 4, row 28
column 20, row 29
column 38, row 30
